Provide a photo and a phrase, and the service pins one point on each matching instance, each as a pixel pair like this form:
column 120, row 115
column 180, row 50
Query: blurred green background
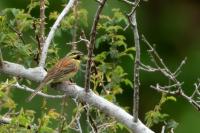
column 173, row 25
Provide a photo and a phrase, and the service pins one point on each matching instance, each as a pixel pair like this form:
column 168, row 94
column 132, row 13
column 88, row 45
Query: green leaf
column 53, row 15
column 130, row 49
column 172, row 124
column 128, row 82
column 113, row 28
column 171, row 98
column 155, row 117
column 100, row 40
column 101, row 57
column 121, row 126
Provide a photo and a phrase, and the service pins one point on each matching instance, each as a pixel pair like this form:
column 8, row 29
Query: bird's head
column 75, row 54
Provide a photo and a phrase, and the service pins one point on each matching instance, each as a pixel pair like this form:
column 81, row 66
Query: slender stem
column 91, row 45
column 25, row 88
column 19, row 34
column 42, row 23
column 75, row 26
column 136, row 69
column 129, row 2
column 37, row 56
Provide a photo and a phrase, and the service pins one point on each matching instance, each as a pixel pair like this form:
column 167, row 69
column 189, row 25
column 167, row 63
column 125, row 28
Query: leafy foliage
column 155, row 116
column 15, row 22
column 110, row 74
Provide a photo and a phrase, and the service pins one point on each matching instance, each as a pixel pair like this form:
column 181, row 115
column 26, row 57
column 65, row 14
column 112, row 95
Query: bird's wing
column 62, row 68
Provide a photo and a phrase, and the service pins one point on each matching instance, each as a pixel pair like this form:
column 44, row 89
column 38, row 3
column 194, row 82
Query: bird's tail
column 38, row 89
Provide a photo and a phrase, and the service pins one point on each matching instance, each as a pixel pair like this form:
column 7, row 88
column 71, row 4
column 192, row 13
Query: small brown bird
column 63, row 70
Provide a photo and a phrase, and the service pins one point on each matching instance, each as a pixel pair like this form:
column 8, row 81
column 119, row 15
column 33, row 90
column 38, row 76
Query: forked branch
column 176, row 87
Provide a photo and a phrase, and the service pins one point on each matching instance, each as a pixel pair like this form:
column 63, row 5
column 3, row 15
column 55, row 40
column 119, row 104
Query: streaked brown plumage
column 63, row 70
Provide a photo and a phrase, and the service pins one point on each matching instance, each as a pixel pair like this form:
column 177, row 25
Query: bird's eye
column 78, row 57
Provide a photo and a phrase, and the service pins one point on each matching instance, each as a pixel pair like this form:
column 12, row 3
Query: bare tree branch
column 25, row 88
column 35, row 74
column 91, row 45
column 5, row 120
column 52, row 32
column 77, row 92
column 136, row 74
column 162, row 67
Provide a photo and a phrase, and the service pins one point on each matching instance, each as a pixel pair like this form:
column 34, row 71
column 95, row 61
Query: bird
column 63, row 70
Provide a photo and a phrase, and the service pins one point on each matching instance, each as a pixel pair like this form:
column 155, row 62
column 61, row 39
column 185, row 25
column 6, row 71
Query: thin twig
column 62, row 115
column 178, row 93
column 129, row 2
column 91, row 45
column 105, row 125
column 134, row 8
column 37, row 56
column 19, row 34
column 52, row 32
column 89, row 118
column 75, row 25
column 158, row 61
column 42, row 23
column 23, row 87
column 147, row 68
column 78, row 117
column 179, row 68
column 133, row 23
column 162, row 67
column 197, row 86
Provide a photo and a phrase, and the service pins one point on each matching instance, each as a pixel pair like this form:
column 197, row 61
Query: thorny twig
column 37, row 56
column 75, row 25
column 42, row 23
column 91, row 45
